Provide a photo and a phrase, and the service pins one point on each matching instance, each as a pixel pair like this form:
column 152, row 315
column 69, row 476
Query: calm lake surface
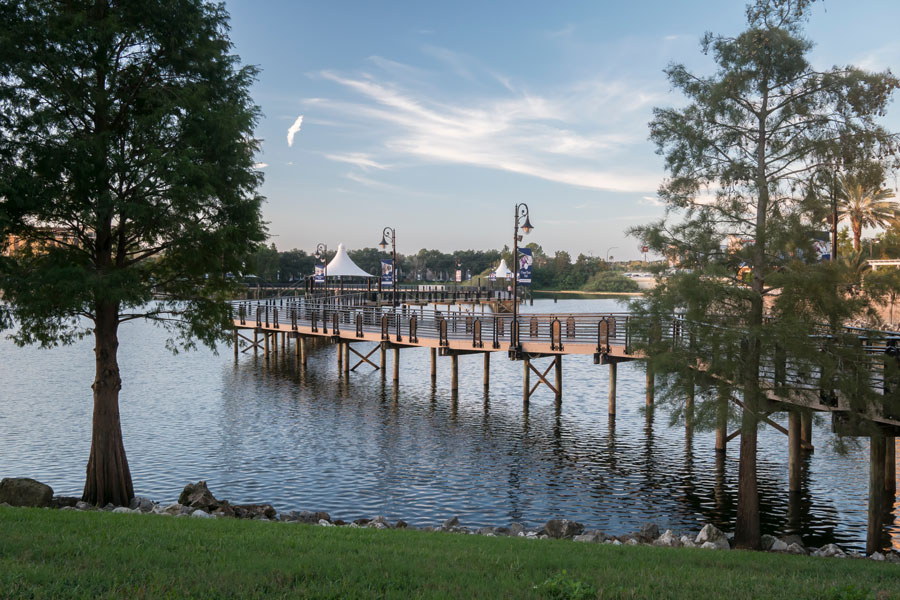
column 312, row 440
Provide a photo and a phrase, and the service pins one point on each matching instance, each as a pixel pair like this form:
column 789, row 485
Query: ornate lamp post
column 322, row 254
column 390, row 235
column 521, row 213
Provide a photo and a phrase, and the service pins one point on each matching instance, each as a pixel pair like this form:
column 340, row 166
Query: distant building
column 45, row 237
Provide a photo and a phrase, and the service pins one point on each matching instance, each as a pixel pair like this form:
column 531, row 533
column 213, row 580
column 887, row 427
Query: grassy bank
column 69, row 554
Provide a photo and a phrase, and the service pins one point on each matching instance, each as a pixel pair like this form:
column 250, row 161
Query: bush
column 610, row 281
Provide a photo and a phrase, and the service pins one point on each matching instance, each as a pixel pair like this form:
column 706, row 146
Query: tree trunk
column 856, row 226
column 108, row 479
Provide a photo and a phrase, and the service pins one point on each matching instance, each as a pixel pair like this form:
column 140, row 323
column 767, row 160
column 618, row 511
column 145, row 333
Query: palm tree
column 865, row 206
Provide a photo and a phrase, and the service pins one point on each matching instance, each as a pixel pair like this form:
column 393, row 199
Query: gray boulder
column 876, row 556
column 830, row 550
column 22, row 491
column 594, row 536
column 563, row 528
column 516, row 529
column 767, row 541
column 711, row 535
column 201, row 514
column 142, row 504
column 647, row 533
column 778, row 546
column 197, row 495
column 82, row 505
column 450, row 523
column 123, row 510
column 795, row 549
column 687, row 541
column 792, row 539
column 64, row 502
column 667, row 539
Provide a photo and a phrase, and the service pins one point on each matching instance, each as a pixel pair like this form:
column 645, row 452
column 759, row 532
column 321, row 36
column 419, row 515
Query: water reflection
column 314, row 438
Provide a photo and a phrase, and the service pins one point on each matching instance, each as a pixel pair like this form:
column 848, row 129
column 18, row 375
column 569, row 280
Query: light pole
column 390, row 234
column 607, row 253
column 521, row 213
column 322, row 254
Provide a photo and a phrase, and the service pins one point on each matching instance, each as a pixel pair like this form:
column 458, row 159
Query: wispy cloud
column 260, row 165
column 881, row 58
column 577, row 135
column 294, row 130
column 359, row 159
column 566, row 31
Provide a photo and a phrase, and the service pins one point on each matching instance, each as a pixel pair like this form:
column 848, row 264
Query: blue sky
column 436, row 118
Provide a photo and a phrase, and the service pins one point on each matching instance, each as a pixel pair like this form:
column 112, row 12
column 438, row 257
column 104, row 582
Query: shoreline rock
column 197, row 501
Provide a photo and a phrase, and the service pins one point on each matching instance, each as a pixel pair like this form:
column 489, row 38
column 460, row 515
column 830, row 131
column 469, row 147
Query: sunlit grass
column 68, row 554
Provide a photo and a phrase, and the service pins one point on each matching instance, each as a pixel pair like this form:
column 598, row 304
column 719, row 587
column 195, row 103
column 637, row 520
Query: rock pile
column 198, row 502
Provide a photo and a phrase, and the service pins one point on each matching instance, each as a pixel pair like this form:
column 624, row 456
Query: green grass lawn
column 69, row 554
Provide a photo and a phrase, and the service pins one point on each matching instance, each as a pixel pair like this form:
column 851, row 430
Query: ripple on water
column 310, row 440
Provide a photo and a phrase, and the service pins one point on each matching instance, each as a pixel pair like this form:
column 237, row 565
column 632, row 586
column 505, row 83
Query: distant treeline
column 558, row 272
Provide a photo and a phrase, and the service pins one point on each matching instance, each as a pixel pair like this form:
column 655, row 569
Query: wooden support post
column 794, row 450
column 283, row 341
column 235, row 343
column 297, row 342
column 454, row 373
column 255, row 342
column 558, row 361
column 383, row 358
column 346, row 358
column 721, row 422
column 612, row 389
column 876, row 493
column 396, row 364
column 650, row 385
column 340, row 356
column 266, row 346
column 527, row 380
column 487, row 370
column 890, row 467
column 433, row 366
column 302, row 343
column 806, row 429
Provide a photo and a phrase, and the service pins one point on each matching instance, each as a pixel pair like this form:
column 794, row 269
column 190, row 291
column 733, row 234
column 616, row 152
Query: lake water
column 310, row 439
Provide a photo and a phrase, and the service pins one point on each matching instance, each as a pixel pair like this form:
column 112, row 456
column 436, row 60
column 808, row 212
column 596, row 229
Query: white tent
column 503, row 271
column 342, row 266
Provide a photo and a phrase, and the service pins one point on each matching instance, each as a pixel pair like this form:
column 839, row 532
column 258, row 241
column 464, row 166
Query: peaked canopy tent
column 503, row 271
column 342, row 266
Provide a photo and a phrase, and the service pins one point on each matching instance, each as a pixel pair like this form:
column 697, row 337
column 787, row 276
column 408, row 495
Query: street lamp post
column 390, row 234
column 521, row 213
column 607, row 253
column 322, row 254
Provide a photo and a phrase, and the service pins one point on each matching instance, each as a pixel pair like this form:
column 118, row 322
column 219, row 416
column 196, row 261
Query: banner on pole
column 387, row 272
column 458, row 275
column 320, row 274
column 526, row 260
column 492, row 276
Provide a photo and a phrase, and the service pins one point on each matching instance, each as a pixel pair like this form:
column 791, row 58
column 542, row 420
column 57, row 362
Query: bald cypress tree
column 743, row 215
column 126, row 171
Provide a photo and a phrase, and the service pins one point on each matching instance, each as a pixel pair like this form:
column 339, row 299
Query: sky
column 437, row 118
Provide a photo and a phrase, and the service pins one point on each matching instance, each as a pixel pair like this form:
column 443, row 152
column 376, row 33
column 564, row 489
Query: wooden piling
column 283, row 341
column 721, row 421
column 650, row 385
column 383, row 358
column 806, row 428
column 433, row 366
column 396, row 363
column 235, row 343
column 890, row 467
column 266, row 345
column 487, row 370
column 558, row 364
column 346, row 358
column 454, row 373
column 255, row 342
column 794, row 463
column 340, row 356
column 302, row 344
column 876, row 493
column 612, row 389
column 526, row 382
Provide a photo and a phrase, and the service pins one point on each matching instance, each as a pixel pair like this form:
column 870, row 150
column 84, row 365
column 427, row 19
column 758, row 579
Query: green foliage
column 564, row 587
column 610, row 281
column 127, row 127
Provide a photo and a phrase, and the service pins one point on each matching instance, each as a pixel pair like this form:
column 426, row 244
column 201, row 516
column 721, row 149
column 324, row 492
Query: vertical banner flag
column 320, row 274
column 492, row 276
column 387, row 272
column 526, row 260
column 458, row 275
